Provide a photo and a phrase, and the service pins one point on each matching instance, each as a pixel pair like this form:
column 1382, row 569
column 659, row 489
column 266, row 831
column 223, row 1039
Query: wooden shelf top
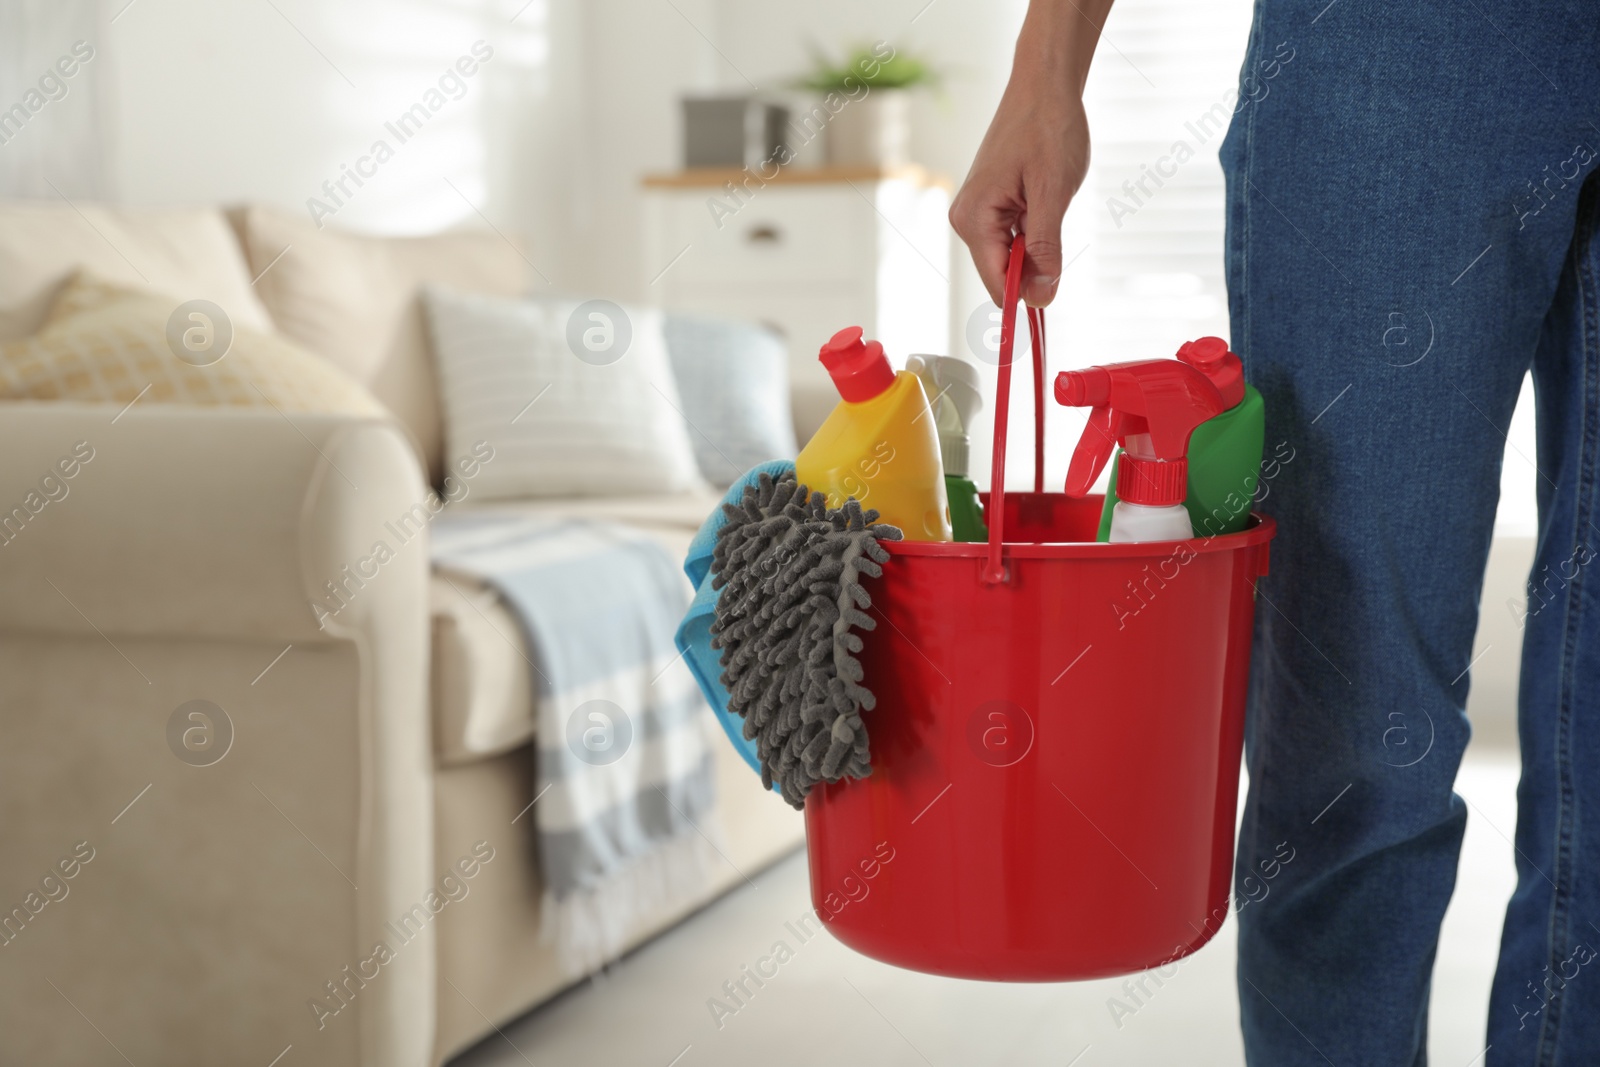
column 716, row 177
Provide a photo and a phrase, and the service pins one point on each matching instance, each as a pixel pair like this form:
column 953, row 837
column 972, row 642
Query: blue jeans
column 1412, row 225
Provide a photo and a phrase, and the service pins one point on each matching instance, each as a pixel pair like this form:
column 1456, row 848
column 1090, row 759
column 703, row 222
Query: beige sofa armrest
column 167, row 555
column 172, row 521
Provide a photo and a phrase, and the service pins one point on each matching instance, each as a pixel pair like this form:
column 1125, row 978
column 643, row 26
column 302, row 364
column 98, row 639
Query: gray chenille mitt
column 789, row 572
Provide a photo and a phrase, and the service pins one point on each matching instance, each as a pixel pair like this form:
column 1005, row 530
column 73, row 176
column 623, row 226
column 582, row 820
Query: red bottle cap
column 1152, row 482
column 860, row 369
column 1210, row 356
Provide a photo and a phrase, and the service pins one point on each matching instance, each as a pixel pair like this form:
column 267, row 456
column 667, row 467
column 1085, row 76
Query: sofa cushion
column 566, row 419
column 733, row 379
column 188, row 253
column 353, row 300
column 482, row 680
column 106, row 342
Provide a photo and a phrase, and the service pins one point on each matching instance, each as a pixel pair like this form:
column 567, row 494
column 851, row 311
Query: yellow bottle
column 880, row 444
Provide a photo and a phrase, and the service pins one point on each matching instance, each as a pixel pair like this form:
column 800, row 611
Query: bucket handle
column 994, row 569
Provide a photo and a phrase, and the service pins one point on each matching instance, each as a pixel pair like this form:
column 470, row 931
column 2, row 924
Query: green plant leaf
column 861, row 66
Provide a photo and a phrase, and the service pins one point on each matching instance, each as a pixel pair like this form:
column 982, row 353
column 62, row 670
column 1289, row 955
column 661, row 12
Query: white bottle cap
column 952, row 386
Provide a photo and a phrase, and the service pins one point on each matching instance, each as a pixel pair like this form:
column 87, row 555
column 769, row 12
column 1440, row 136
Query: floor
column 652, row 1008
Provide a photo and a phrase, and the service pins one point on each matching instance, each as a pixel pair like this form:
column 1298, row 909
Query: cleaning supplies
column 1224, row 452
column 879, row 445
column 953, row 392
column 789, row 571
column 1149, row 407
column 694, row 632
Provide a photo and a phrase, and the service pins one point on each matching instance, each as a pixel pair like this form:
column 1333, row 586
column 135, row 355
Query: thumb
column 1041, row 269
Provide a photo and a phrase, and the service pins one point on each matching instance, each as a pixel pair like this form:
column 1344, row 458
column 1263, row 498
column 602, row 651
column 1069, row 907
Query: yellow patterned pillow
column 104, row 342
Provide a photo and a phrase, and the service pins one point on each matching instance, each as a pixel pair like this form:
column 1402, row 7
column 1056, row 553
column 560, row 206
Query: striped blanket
column 624, row 777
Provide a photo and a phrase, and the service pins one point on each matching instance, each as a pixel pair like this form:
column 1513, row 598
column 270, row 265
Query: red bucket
column 1055, row 747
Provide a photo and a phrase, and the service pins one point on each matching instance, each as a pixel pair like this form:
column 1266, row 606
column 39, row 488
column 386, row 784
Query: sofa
column 164, row 910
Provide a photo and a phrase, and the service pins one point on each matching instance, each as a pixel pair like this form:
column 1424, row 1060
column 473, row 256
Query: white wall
column 971, row 43
column 59, row 145
column 231, row 102
column 203, row 101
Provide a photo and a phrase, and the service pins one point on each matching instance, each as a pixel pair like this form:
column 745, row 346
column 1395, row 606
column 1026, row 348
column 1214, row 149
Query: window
column 1145, row 235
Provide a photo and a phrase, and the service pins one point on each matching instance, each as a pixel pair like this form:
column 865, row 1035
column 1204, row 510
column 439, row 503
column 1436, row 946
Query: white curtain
column 50, row 122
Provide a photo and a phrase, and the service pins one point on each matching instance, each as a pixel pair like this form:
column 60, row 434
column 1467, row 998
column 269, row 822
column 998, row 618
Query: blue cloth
column 694, row 633
column 1413, row 217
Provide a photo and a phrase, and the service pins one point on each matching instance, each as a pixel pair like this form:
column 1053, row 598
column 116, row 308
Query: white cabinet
column 808, row 253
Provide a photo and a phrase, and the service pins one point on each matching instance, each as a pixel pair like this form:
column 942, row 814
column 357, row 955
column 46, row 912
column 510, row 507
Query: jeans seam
column 1239, row 275
column 1244, row 197
column 1560, row 901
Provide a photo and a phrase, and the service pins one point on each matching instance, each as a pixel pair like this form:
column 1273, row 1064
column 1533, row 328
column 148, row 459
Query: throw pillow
column 103, row 342
column 734, row 380
column 189, row 252
column 577, row 397
column 354, row 300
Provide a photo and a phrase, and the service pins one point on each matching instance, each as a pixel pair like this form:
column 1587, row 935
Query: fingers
column 986, row 219
column 986, row 229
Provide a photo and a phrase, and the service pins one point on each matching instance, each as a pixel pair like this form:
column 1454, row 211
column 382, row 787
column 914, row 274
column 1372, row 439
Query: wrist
column 1057, row 42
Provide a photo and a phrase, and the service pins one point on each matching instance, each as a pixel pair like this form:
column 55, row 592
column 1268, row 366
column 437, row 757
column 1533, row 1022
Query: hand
column 1032, row 160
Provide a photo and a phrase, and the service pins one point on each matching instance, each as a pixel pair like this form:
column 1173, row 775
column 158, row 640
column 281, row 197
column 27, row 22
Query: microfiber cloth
column 694, row 633
column 790, row 603
column 786, row 571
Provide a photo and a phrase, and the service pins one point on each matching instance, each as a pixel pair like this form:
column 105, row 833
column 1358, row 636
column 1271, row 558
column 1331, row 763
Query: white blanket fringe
column 590, row 928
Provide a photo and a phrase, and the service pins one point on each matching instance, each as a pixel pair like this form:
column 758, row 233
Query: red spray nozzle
column 860, row 369
column 1150, row 407
column 1087, row 388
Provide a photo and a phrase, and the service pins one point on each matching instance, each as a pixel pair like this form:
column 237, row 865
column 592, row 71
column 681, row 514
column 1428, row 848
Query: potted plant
column 867, row 96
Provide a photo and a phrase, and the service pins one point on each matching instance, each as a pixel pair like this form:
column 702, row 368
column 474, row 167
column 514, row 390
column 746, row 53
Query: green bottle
column 953, row 394
column 966, row 513
column 1224, row 451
